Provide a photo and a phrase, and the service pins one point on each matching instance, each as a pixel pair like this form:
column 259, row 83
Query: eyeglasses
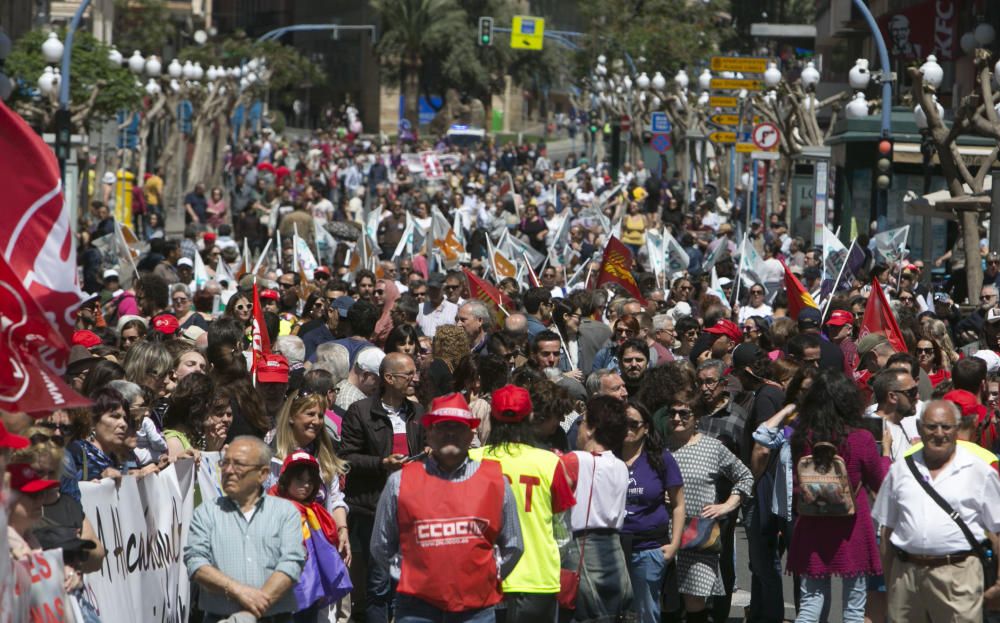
column 994, row 262
column 380, row 292
column 925, row 351
column 181, row 299
column 318, row 305
column 635, row 425
column 406, row 375
column 420, row 295
column 237, row 466
column 760, row 292
column 242, row 308
column 750, row 329
column 944, row 428
column 909, row 393
column 908, row 299
column 624, row 331
column 448, row 288
column 709, row 382
column 286, row 285
column 685, row 288
column 684, row 414
column 39, row 438
column 53, row 426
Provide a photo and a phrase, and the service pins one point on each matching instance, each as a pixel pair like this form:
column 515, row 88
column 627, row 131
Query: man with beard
column 896, row 393
column 633, row 360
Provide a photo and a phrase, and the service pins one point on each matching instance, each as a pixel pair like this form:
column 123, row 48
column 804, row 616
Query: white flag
column 892, row 244
column 677, row 259
column 655, row 253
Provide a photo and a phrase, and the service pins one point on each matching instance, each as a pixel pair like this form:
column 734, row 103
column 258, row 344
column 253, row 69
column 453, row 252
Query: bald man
column 378, row 433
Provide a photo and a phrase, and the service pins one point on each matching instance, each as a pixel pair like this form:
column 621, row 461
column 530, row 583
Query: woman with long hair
column 300, row 426
column 601, row 484
column 451, row 343
column 314, row 313
column 566, row 318
column 822, row 547
column 183, row 422
column 706, row 464
column 652, row 528
column 933, row 360
column 403, row 339
column 131, row 333
column 240, row 308
column 147, row 363
column 625, row 328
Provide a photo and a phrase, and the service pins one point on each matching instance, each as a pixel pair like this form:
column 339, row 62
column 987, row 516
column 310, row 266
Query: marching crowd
column 579, row 440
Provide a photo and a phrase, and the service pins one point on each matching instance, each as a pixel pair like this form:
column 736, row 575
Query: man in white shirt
column 932, row 571
column 896, row 394
column 436, row 310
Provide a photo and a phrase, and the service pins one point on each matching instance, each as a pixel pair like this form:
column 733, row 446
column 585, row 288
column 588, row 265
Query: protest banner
column 143, row 525
column 47, row 596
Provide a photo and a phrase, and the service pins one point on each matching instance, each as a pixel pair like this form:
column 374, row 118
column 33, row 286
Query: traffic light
column 485, row 31
column 592, row 122
column 883, row 165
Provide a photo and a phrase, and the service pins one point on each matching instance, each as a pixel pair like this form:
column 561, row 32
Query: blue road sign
column 660, row 142
column 659, row 124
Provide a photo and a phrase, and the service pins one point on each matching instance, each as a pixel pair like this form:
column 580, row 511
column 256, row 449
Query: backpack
column 824, row 487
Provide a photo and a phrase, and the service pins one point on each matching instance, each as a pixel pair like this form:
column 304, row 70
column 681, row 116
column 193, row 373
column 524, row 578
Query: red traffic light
column 885, row 147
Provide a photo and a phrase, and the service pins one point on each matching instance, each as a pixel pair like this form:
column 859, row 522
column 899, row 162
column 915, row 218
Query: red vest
column 446, row 535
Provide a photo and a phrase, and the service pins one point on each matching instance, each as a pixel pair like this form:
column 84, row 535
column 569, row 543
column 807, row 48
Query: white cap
column 109, row 273
column 370, row 360
column 184, row 261
column 991, row 358
column 724, row 281
column 109, row 178
column 127, row 318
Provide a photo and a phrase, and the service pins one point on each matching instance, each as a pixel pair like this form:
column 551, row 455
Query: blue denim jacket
column 778, row 439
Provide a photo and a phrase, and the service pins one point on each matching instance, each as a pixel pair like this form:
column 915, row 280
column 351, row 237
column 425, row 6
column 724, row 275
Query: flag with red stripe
column 616, row 267
column 798, row 297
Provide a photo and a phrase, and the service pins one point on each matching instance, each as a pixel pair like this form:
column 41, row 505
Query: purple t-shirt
column 645, row 510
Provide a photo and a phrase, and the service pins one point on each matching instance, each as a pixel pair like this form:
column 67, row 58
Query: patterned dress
column 703, row 464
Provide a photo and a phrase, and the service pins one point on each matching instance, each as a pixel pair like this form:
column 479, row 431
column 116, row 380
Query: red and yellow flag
column 878, row 318
column 259, row 339
column 490, row 295
column 502, row 266
column 616, row 267
column 798, row 297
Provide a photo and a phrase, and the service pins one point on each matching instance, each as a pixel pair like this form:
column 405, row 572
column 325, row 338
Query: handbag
column 985, row 556
column 701, row 534
column 569, row 580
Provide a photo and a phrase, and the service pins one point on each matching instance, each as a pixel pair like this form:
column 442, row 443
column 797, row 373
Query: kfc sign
column 922, row 29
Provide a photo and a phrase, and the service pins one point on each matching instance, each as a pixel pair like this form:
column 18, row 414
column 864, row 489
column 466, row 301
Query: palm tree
column 414, row 29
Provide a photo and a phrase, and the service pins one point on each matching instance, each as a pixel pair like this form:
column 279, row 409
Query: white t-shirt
column 609, row 483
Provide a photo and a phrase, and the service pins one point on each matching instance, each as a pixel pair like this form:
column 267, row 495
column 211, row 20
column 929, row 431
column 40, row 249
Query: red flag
column 878, row 318
column 616, row 267
column 260, row 340
column 798, row 297
column 533, row 280
column 490, row 295
column 26, row 339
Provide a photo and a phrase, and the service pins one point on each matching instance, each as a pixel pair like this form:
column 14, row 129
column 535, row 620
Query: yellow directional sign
column 527, row 32
column 745, row 148
column 730, row 84
column 722, row 137
column 742, row 64
column 733, row 120
column 723, row 101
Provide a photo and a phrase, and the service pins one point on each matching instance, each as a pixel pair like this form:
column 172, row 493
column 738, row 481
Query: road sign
column 766, row 136
column 765, row 155
column 659, row 123
column 722, row 137
column 732, row 119
column 745, row 148
column 742, row 64
column 660, row 143
column 732, row 85
column 526, row 32
column 722, row 101
column 625, row 124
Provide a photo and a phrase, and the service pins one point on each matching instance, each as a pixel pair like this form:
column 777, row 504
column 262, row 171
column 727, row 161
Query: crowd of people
column 572, row 450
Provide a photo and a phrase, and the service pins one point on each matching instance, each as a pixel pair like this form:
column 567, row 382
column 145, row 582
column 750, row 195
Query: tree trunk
column 973, row 261
column 411, row 92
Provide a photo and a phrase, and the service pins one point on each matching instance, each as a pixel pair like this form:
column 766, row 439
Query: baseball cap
column 343, row 304
column 109, row 178
column 273, row 368
column 746, row 354
column 87, row 339
column 810, row 317
column 727, row 328
column 868, row 343
column 511, row 403
column 839, row 318
column 321, row 270
column 993, row 256
column 370, row 360
column 166, row 324
column 209, row 237
column 110, row 273
column 270, row 294
column 26, row 480
column 450, row 408
column 299, row 457
column 966, row 401
column 991, row 358
column 184, row 261
column 12, row 441
column 130, row 317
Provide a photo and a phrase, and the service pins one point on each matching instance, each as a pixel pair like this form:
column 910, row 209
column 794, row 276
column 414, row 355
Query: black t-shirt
column 532, row 229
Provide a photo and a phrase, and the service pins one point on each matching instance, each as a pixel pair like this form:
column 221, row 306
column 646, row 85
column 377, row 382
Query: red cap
column 727, row 328
column 209, row 237
column 273, row 368
column 26, row 480
column 322, row 269
column 166, row 324
column 87, row 339
column 12, row 441
column 839, row 318
column 299, row 457
column 966, row 401
column 270, row 294
column 450, row 408
column 511, row 404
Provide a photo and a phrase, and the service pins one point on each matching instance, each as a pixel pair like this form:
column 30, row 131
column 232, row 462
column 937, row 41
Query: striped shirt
column 246, row 551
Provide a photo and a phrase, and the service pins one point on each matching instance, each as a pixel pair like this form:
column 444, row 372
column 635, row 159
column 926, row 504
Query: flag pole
column 739, row 271
column 840, row 274
column 562, row 343
column 263, row 254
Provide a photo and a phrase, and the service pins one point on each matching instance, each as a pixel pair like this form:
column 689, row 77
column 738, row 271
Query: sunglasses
column 53, row 426
column 925, row 351
column 380, row 292
column 635, row 425
column 684, row 414
column 181, row 299
column 242, row 307
column 909, row 393
column 39, row 438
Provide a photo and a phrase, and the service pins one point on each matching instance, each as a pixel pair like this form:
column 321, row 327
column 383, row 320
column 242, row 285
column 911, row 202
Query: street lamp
column 932, row 72
column 857, row 108
column 682, row 80
column 153, row 66
column 642, row 81
column 659, row 82
column 809, row 76
column 984, row 34
column 115, row 57
column 136, row 63
column 47, row 81
column 772, row 75
column 152, row 87
column 174, row 69
column 52, row 49
column 705, row 80
column 188, row 70
column 859, row 76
